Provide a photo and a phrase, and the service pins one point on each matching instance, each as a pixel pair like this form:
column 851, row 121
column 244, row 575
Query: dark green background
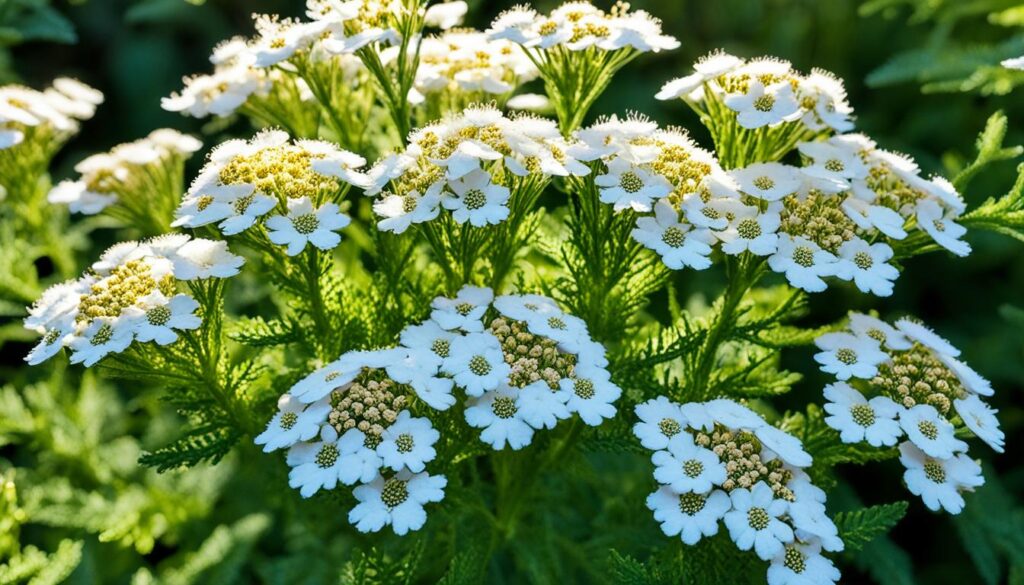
column 136, row 52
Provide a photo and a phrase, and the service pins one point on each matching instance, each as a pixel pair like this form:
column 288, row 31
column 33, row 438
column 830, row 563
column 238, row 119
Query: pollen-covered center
column 863, row 260
column 409, row 203
column 691, row 503
column 404, row 442
column 740, row 452
column 556, row 323
column 862, row 414
column 846, row 356
column 395, row 493
column 464, row 308
column 630, row 182
column 125, row 285
column 288, row 420
column 764, row 183
column 504, row 407
column 928, row 429
column 532, row 358
column 243, row 203
column 474, row 199
column 158, row 316
column 479, row 365
column 748, row 229
column 795, row 560
column 669, row 427
column 693, row 468
column 803, row 256
column 284, row 169
column 758, row 518
column 370, row 403
column 876, row 334
column 102, row 335
column 306, row 223
column 673, row 236
column 764, row 103
column 442, row 347
column 583, row 388
column 917, row 376
column 934, row 471
column 327, row 455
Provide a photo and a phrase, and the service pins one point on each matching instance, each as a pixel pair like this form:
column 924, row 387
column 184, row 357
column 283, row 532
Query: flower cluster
column 304, row 181
column 472, row 164
column 907, row 380
column 764, row 92
column 718, row 460
column 580, row 26
column 143, row 178
column 131, row 293
column 521, row 361
column 53, row 113
column 349, row 423
column 465, row 66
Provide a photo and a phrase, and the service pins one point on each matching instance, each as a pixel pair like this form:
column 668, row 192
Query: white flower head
column 463, row 312
column 930, row 432
column 858, row 419
column 678, row 244
column 846, row 355
column 590, row 394
column 939, row 482
column 159, row 317
column 867, row 266
column 690, row 515
column 755, row 521
column 408, row 443
column 981, row 419
column 803, row 262
column 477, row 200
column 687, row 467
column 627, row 185
column 752, row 231
column 541, row 407
column 497, row 413
column 476, row 363
column 294, row 421
column 397, row 501
column 764, row 106
column 660, row 421
column 882, row 332
column 802, row 564
column 768, row 181
column 940, row 225
column 304, row 224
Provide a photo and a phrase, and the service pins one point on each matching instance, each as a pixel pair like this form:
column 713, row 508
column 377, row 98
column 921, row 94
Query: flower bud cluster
column 720, row 461
column 471, row 164
column 907, row 380
column 129, row 294
column 582, row 27
column 348, row 423
column 137, row 174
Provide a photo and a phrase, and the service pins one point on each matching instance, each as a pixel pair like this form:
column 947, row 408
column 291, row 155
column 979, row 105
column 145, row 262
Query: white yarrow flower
column 687, row 467
column 930, row 432
column 858, row 419
column 939, row 482
column 849, row 356
column 397, row 501
column 408, row 443
column 754, row 522
column 692, row 516
column 305, row 223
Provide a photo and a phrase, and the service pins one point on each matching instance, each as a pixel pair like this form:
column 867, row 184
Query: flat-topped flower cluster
column 471, row 164
column 130, row 294
column 905, row 380
column 53, row 113
column 720, row 461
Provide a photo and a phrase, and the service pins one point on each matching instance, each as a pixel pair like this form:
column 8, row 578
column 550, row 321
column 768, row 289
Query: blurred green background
column 137, row 52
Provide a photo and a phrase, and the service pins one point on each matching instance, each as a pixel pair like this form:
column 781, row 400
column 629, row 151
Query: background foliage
column 922, row 77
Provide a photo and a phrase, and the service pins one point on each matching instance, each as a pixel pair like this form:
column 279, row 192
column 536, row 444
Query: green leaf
column 208, row 443
column 860, row 527
column 626, row 570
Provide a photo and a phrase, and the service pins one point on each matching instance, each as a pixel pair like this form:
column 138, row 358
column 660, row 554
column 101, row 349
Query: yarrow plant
column 435, row 306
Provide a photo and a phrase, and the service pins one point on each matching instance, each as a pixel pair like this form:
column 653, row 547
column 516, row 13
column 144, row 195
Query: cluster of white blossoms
column 130, row 294
column 1015, row 63
column 44, row 119
column 349, row 423
column 720, row 461
column 467, row 64
column 764, row 92
column 129, row 174
column 581, row 26
column 522, row 363
column 471, row 164
column 907, row 380
column 303, row 180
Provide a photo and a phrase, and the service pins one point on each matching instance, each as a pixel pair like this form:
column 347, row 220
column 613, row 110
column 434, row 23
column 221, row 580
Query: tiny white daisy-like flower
column 318, row 465
column 306, row 224
column 769, row 181
column 1015, row 63
column 362, row 463
column 541, row 407
column 692, row 516
column 688, row 467
column 786, row 446
column 763, row 106
column 803, row 263
column 247, row 210
column 408, row 443
column 201, row 258
column 477, row 200
column 660, row 421
column 397, row 501
column 939, row 224
column 981, row 419
column 858, row 419
column 866, row 265
column 732, row 414
column 163, row 316
column 323, row 381
column 939, row 482
column 295, row 421
column 590, row 394
column 445, row 15
column 526, row 307
column 401, row 211
column 678, row 244
column 972, row 380
column 497, row 413
column 880, row 331
column 930, row 432
column 103, row 336
column 879, row 217
column 569, row 331
column 849, row 356
column 754, row 521
column 712, row 214
column 832, row 161
column 476, row 363
column 463, row 312
column 626, row 185
column 752, row 231
column 928, row 338
column 802, row 564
